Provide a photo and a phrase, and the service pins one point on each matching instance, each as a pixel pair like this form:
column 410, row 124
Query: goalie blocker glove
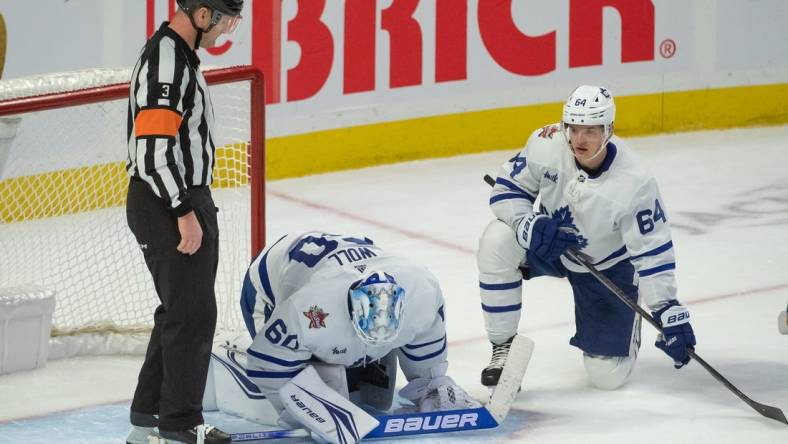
column 677, row 335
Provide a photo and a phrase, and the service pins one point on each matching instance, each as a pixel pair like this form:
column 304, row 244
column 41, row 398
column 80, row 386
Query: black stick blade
column 769, row 412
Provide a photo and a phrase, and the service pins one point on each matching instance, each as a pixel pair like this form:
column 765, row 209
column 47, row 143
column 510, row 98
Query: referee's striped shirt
column 170, row 120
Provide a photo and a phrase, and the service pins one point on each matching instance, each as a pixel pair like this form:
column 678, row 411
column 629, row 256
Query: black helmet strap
column 200, row 32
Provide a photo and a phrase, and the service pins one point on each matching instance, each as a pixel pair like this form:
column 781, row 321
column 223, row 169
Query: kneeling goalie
column 329, row 317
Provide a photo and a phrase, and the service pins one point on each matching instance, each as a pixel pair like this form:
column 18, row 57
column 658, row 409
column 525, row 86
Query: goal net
column 63, row 147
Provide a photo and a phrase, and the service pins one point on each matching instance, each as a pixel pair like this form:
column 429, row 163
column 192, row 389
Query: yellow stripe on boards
column 726, row 108
column 702, row 110
column 509, row 128
column 102, row 186
column 398, row 141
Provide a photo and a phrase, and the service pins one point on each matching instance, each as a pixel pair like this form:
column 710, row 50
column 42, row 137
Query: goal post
column 63, row 149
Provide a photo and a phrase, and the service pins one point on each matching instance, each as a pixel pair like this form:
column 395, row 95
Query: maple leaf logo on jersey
column 548, row 131
column 360, row 268
column 565, row 219
column 317, row 317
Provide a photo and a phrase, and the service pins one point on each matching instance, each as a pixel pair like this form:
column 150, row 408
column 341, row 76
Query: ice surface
column 726, row 195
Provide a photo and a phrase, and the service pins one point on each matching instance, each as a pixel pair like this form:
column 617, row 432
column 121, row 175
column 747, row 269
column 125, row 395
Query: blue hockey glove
column 677, row 335
column 545, row 237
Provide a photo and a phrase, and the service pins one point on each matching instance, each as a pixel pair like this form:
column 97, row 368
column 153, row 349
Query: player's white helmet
column 376, row 308
column 590, row 105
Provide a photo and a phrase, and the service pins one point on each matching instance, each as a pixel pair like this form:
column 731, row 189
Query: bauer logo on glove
column 677, row 335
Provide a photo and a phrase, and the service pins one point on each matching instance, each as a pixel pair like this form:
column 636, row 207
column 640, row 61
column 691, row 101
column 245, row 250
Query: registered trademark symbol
column 667, row 48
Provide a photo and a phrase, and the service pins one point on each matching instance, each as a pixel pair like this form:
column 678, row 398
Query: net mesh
column 62, row 205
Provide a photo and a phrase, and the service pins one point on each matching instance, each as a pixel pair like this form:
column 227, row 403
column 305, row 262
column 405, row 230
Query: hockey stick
column 399, row 425
column 583, row 259
column 269, row 434
column 765, row 410
column 487, row 417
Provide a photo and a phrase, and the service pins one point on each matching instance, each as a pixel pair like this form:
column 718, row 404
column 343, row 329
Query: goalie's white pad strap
column 324, row 411
column 511, row 377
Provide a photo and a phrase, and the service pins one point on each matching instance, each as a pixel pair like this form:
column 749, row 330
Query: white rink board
column 716, row 43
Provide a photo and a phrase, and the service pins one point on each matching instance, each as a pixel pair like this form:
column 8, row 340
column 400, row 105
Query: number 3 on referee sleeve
column 646, row 221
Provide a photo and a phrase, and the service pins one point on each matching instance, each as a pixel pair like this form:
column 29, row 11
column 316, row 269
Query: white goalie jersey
column 618, row 211
column 295, row 304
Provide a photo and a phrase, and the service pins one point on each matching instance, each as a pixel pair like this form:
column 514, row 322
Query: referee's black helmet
column 227, row 7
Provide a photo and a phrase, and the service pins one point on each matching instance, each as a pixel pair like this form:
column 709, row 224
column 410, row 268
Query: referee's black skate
column 492, row 372
column 142, row 425
column 210, row 434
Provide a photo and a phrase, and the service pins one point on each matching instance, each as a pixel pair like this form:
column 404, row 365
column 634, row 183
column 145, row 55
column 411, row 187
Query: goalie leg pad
column 324, row 411
column 511, row 377
column 229, row 389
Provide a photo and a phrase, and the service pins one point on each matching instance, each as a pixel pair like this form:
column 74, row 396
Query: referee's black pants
column 172, row 379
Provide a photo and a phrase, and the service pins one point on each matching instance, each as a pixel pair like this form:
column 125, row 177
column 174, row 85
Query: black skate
column 212, row 435
column 142, row 425
column 492, row 372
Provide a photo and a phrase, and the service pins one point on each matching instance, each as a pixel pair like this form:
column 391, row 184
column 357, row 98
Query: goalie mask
column 590, row 105
column 376, row 308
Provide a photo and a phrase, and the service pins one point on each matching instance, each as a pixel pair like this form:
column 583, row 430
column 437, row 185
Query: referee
column 173, row 217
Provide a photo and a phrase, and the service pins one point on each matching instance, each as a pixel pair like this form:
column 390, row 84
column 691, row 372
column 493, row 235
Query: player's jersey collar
column 609, row 157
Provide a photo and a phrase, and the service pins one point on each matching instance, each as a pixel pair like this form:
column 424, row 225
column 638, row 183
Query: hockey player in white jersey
column 595, row 197
column 317, row 299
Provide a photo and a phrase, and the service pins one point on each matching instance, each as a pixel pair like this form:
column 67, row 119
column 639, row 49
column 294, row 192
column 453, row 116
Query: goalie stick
column 587, row 262
column 487, row 417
